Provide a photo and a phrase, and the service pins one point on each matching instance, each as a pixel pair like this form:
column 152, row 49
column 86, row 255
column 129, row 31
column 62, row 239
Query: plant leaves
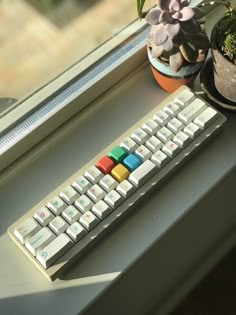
column 172, row 29
column 163, row 4
column 176, row 15
column 187, row 14
column 189, row 52
column 165, row 17
column 199, row 40
column 168, row 45
column 160, row 36
column 140, row 5
column 153, row 16
column 175, row 33
column 157, row 51
column 190, row 26
column 176, row 60
column 174, row 5
column 201, row 56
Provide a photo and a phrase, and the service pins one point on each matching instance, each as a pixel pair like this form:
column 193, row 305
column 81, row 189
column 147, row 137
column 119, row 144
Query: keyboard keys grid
column 104, row 184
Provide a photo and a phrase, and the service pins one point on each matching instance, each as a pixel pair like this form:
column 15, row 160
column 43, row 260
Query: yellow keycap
column 119, row 172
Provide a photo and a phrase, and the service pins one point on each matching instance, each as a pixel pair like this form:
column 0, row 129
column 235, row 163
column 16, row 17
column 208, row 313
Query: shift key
column 54, row 250
column 143, row 173
column 192, row 111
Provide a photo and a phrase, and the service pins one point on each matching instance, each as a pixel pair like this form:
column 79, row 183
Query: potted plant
column 223, row 43
column 177, row 44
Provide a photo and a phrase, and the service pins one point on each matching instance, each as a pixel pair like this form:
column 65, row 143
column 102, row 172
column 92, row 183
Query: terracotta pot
column 224, row 70
column 170, row 80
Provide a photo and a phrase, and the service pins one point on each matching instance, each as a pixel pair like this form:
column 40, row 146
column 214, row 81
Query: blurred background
column 41, row 38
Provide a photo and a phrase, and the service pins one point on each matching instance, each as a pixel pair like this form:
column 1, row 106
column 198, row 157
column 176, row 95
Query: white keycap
column 182, row 139
column 56, row 205
column 96, row 193
column 205, row 118
column 192, row 111
column 125, row 189
column 101, row 209
column 171, row 149
column 143, row 153
column 108, row 182
column 76, row 231
column 142, row 174
column 69, row 195
column 160, row 158
column 48, row 255
column 40, row 240
column 153, row 144
column 151, row 127
column 164, row 134
column 184, row 98
column 93, row 174
column 129, row 145
column 43, row 216
column 89, row 220
column 81, row 184
column 83, row 203
column 58, row 225
column 71, row 214
column 113, row 199
column 175, row 125
column 161, row 118
column 26, row 229
column 139, row 136
column 192, row 130
column 172, row 109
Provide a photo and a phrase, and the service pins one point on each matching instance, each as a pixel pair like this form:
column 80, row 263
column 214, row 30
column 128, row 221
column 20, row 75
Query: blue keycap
column 131, row 162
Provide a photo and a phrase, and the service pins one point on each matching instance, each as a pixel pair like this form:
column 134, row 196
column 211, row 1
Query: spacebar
column 143, row 173
column 54, row 250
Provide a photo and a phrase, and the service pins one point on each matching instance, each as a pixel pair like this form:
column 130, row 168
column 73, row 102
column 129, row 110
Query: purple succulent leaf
column 168, row 45
column 163, row 4
column 157, row 51
column 176, row 15
column 165, row 17
column 150, row 42
column 153, row 16
column 190, row 26
column 198, row 13
column 174, row 5
column 201, row 56
column 199, row 40
column 178, row 39
column 187, row 14
column 189, row 52
column 172, row 29
column 175, row 33
column 154, row 29
column 176, row 60
column 160, row 36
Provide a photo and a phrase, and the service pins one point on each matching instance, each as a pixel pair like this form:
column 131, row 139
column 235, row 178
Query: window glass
column 41, row 38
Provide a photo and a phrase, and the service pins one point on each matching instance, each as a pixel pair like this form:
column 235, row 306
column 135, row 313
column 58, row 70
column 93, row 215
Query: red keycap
column 105, row 164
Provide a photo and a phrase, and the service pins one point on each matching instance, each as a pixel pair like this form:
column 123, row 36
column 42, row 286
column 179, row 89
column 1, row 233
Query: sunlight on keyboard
column 72, row 218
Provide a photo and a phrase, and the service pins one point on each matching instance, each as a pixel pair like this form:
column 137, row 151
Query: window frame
column 19, row 129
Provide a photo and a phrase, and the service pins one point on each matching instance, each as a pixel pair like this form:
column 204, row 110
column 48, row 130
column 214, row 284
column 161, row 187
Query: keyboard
column 71, row 219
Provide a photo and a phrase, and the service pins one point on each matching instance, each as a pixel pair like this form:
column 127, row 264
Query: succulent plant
column 176, row 35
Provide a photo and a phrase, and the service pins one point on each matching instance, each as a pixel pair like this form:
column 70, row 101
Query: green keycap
column 117, row 154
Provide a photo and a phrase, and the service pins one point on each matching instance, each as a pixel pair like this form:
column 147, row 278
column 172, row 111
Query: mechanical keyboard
column 79, row 212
